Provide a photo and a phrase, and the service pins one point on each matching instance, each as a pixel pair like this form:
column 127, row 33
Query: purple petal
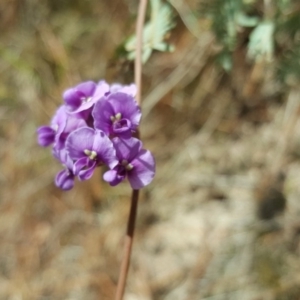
column 116, row 87
column 85, row 105
column 80, row 164
column 59, row 154
column 127, row 106
column 64, row 180
column 87, row 88
column 112, row 177
column 72, row 98
column 56, row 153
column 127, row 148
column 104, row 149
column 78, row 141
column 59, row 120
column 102, row 112
column 85, row 114
column 143, row 170
column 86, row 174
column 118, row 103
column 101, row 89
column 73, row 122
column 64, row 158
column 46, row 136
column 127, row 89
column 122, row 126
column 92, row 94
column 79, row 98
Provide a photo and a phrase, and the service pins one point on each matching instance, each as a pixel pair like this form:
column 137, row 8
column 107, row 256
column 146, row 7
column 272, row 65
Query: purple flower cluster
column 94, row 127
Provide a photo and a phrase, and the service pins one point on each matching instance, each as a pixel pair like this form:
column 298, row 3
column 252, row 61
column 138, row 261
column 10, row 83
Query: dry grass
column 198, row 236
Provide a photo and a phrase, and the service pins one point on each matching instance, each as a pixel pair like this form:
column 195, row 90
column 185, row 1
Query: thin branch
column 135, row 193
column 139, row 49
column 128, row 246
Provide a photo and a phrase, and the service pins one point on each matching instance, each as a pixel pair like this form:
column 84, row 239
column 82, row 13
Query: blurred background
column 220, row 107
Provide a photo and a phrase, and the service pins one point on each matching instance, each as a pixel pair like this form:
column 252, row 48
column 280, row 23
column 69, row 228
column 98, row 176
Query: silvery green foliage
column 261, row 42
column 160, row 23
column 269, row 26
column 228, row 19
column 287, row 40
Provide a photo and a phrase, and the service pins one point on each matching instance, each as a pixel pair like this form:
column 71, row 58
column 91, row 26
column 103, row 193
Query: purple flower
column 65, row 178
column 117, row 114
column 81, row 132
column 83, row 96
column 134, row 162
column 72, row 123
column 90, row 148
column 47, row 134
column 127, row 89
column 61, row 125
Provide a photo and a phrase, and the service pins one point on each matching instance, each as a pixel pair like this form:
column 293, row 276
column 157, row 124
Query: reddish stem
column 128, row 246
column 135, row 193
column 139, row 49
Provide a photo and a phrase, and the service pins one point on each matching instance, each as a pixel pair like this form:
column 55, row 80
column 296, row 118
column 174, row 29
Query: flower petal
column 59, row 120
column 85, row 105
column 72, row 123
column 102, row 112
column 110, row 106
column 64, row 180
column 80, row 164
column 46, row 136
column 143, row 170
column 64, row 158
column 121, row 127
column 72, row 98
column 86, row 174
column 78, row 141
column 79, row 97
column 127, row 148
column 127, row 89
column 127, row 106
column 112, row 177
column 87, row 88
column 101, row 89
column 116, row 87
column 104, row 148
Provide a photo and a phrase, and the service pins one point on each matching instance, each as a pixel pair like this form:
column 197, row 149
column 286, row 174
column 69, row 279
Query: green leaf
column 161, row 22
column 246, row 21
column 229, row 17
column 225, row 60
column 261, row 43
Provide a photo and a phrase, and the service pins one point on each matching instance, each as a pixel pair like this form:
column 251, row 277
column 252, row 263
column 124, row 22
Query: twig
column 135, row 193
column 127, row 246
column 139, row 48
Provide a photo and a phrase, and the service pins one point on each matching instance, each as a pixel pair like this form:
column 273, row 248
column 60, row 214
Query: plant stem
column 128, row 246
column 139, row 49
column 135, row 193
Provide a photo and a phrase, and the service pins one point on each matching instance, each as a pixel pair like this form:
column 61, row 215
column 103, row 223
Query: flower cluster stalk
column 135, row 193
